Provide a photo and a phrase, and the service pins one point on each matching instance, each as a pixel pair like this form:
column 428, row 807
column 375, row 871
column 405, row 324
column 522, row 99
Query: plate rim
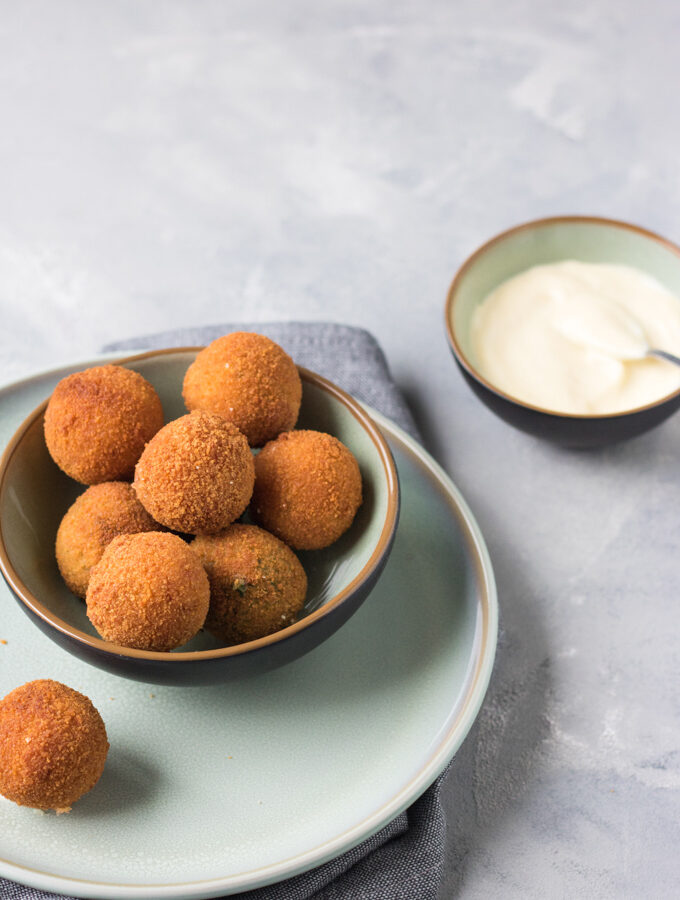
column 445, row 750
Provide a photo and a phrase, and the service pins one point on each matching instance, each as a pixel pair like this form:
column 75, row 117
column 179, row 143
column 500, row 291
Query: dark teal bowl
column 582, row 238
column 35, row 494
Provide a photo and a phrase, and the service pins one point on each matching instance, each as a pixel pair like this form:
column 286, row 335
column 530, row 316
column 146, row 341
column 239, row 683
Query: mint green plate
column 210, row 791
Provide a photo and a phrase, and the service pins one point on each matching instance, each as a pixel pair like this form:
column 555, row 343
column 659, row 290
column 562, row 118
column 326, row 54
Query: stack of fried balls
column 123, row 545
column 153, row 544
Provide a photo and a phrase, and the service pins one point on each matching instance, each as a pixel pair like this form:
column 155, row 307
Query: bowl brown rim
column 499, row 238
column 192, row 656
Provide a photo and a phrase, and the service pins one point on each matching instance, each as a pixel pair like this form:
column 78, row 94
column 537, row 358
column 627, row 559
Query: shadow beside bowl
column 583, row 238
column 35, row 494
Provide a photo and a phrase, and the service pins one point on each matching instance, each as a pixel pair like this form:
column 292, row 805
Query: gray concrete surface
column 166, row 164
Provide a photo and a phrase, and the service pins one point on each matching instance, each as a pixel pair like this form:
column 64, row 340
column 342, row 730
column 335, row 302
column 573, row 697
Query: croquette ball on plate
column 98, row 421
column 98, row 515
column 248, row 379
column 53, row 745
column 196, row 475
column 257, row 583
column 148, row 591
column 307, row 489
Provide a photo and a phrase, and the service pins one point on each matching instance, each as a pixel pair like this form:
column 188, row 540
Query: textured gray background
column 193, row 162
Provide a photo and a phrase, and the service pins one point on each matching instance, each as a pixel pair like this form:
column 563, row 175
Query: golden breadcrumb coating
column 148, row 591
column 98, row 421
column 257, row 583
column 248, row 379
column 99, row 515
column 307, row 489
column 196, row 475
column 53, row 745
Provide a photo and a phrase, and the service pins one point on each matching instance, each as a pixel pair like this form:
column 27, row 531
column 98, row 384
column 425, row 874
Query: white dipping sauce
column 570, row 337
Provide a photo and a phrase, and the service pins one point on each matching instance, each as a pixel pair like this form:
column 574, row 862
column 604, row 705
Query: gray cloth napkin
column 404, row 860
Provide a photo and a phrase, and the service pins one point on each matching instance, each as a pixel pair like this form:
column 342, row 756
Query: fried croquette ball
column 257, row 583
column 249, row 380
column 98, row 516
column 307, row 489
column 53, row 745
column 196, row 475
column 148, row 591
column 98, row 421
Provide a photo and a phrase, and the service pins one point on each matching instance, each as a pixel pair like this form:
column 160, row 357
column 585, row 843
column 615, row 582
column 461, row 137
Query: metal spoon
column 603, row 325
column 663, row 354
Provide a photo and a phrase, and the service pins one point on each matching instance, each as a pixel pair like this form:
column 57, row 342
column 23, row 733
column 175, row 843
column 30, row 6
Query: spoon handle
column 663, row 354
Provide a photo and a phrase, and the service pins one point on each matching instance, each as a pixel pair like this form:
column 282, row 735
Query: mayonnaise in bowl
column 571, row 337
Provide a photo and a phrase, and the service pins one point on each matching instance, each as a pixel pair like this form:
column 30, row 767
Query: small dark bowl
column 545, row 241
column 35, row 494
